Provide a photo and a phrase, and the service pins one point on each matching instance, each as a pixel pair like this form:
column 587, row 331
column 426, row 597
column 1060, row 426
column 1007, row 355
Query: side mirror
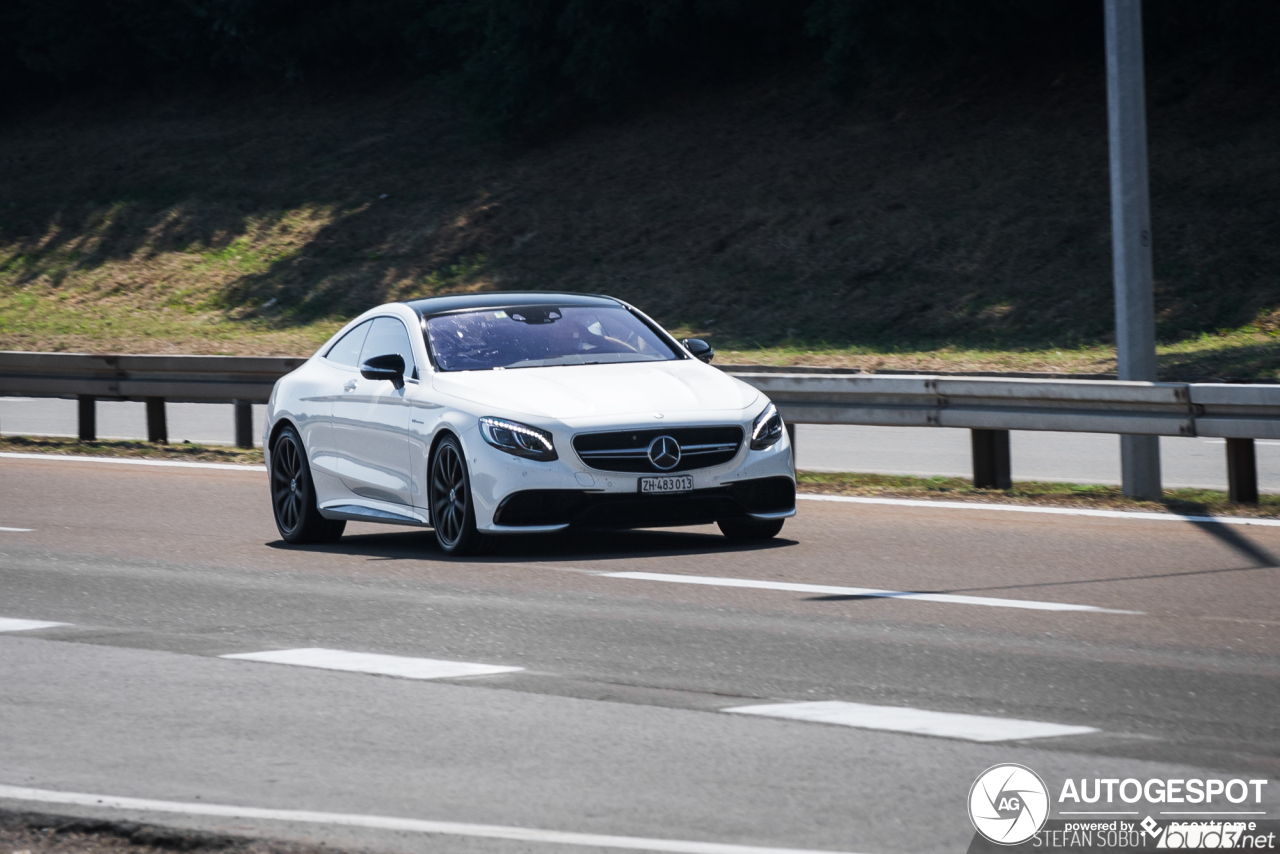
column 388, row 367
column 699, row 349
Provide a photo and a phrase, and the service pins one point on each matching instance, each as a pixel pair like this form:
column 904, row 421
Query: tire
column 746, row 530
column 293, row 495
column 453, row 513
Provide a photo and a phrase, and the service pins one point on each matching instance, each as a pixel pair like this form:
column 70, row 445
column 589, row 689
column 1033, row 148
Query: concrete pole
column 1131, row 232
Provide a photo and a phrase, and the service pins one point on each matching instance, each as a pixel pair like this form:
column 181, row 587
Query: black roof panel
column 504, row 299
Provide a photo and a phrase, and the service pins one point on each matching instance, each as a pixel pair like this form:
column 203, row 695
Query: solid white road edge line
column 451, row 828
column 366, row 662
column 8, row 624
column 1054, row 511
column 845, row 499
column 127, row 462
column 914, row 721
column 17, row 530
column 832, row 590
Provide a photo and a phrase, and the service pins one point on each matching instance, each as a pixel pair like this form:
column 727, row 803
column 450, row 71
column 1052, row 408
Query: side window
column 347, row 349
column 389, row 336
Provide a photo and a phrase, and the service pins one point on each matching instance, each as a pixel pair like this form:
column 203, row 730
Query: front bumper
column 514, row 495
column 761, row 498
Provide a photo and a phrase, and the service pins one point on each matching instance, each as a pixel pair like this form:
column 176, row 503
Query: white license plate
column 666, row 485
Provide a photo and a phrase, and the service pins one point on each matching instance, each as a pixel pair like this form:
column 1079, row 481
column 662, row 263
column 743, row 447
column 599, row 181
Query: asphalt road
column 615, row 724
column 921, row 451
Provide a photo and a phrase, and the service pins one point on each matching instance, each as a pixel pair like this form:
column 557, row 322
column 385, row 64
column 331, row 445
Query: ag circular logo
column 664, row 453
column 1008, row 804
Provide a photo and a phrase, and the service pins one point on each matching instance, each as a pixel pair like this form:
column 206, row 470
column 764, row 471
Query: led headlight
column 518, row 439
column 766, row 430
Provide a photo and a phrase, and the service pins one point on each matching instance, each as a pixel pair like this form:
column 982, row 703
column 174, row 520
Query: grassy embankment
column 125, row 448
column 1190, row 502
column 957, row 226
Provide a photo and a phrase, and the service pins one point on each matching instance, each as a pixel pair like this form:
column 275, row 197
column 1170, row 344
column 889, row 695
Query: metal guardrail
column 1082, row 406
column 242, row 380
column 988, row 406
column 177, row 378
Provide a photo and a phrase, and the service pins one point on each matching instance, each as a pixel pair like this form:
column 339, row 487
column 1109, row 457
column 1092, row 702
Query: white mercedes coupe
column 501, row 413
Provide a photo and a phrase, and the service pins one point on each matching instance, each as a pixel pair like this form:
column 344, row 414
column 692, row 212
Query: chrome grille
column 628, row 450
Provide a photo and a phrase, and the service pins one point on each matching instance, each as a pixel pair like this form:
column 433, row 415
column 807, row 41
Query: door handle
column 350, row 386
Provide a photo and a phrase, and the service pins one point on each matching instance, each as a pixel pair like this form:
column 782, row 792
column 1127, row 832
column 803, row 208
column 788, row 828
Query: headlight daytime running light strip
column 766, row 430
column 516, row 438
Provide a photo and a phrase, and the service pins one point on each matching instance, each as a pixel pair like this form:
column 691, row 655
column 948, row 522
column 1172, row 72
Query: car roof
column 504, row 299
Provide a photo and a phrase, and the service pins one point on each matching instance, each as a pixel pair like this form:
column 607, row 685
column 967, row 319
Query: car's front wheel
column 750, row 529
column 453, row 513
column 293, row 495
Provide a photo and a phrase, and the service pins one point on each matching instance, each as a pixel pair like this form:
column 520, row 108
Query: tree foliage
column 525, row 61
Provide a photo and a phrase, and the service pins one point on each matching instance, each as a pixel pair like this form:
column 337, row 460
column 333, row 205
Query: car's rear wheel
column 293, row 495
column 750, row 529
column 453, row 512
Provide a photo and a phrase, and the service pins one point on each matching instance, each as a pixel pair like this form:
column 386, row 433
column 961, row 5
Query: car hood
column 601, row 391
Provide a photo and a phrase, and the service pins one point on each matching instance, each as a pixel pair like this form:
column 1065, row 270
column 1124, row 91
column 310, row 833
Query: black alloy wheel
column 746, row 530
column 452, row 512
column 293, row 496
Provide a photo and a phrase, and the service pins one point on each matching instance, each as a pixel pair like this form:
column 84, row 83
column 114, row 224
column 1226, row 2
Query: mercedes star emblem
column 664, row 453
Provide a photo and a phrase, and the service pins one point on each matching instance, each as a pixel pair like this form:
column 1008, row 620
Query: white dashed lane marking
column 17, row 530
column 869, row 592
column 411, row 825
column 381, row 665
column 11, row 625
column 914, row 721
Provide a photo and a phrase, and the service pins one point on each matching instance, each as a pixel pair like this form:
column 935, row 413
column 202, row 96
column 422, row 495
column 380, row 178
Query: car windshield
column 535, row 336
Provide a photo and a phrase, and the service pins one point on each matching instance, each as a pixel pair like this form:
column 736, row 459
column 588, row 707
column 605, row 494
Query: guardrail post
column 87, row 415
column 157, row 424
column 244, row 423
column 791, row 437
column 1140, row 467
column 991, row 468
column 1242, row 472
